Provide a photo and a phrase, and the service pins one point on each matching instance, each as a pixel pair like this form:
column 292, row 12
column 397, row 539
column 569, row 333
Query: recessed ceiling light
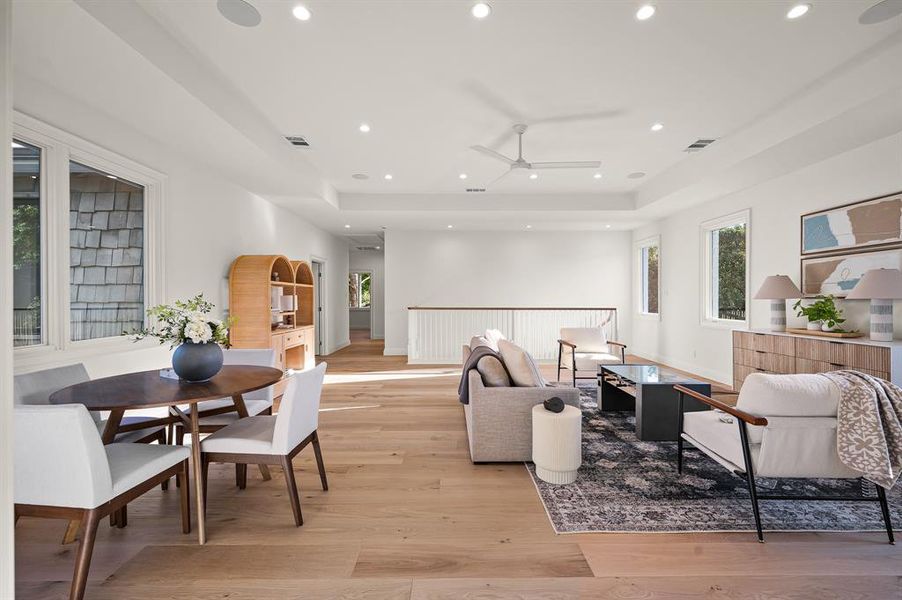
column 657, row 127
column 17, row 145
column 597, row 176
column 347, row 226
column 636, row 175
column 450, row 226
column 481, row 10
column 607, row 226
column 301, row 12
column 799, row 10
column 534, row 176
column 364, row 128
column 239, row 12
column 360, row 176
column 529, row 226
column 645, row 12
column 880, row 12
column 462, row 176
column 388, row 177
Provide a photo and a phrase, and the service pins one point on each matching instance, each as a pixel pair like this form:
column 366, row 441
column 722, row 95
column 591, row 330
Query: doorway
column 319, row 268
column 360, row 304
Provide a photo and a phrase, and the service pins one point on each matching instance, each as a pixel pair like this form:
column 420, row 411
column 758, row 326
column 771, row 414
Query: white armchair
column 584, row 348
column 275, row 440
column 63, row 471
column 782, row 426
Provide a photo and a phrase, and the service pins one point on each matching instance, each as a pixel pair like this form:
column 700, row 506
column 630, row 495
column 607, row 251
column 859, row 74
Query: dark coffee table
column 648, row 389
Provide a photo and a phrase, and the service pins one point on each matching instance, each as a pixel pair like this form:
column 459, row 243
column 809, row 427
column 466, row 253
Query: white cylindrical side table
column 557, row 443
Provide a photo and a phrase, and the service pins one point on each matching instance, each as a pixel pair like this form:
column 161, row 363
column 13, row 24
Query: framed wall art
column 837, row 275
column 874, row 222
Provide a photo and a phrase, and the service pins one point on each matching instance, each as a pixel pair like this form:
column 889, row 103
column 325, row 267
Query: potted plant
column 196, row 337
column 821, row 314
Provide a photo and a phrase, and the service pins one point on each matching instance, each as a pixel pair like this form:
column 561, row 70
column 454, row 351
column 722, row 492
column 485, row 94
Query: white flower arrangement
column 184, row 321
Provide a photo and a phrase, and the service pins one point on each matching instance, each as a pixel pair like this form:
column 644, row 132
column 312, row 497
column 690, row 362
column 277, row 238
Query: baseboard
column 687, row 366
column 395, row 352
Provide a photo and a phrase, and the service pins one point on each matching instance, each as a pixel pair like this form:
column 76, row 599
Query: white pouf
column 557, row 443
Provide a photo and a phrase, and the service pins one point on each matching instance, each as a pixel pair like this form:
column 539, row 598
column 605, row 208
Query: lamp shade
column 778, row 287
column 878, row 283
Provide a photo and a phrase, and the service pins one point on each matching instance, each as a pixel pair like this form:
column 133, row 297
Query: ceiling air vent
column 475, row 190
column 369, row 247
column 698, row 145
column 298, row 140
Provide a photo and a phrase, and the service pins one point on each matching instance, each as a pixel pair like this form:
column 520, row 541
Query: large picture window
column 649, row 269
column 86, row 260
column 725, row 265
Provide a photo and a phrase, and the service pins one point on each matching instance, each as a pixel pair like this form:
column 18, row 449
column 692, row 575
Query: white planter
column 814, row 325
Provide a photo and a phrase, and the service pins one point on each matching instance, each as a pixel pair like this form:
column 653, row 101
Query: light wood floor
column 409, row 517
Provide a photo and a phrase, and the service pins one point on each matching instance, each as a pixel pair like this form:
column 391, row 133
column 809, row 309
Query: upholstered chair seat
column 584, row 349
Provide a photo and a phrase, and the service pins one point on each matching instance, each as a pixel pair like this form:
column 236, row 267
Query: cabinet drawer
column 763, row 342
column 293, row 338
column 843, row 355
column 805, row 365
column 775, row 363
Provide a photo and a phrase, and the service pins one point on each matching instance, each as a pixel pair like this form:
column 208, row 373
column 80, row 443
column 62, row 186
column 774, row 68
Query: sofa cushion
column 478, row 340
column 719, row 435
column 803, row 395
column 493, row 372
column 520, row 365
column 493, row 336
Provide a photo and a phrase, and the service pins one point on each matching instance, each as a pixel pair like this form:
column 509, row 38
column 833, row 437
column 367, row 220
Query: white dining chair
column 215, row 414
column 275, row 440
column 62, row 470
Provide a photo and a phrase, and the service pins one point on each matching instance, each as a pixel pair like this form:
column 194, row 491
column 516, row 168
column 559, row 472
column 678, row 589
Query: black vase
column 197, row 362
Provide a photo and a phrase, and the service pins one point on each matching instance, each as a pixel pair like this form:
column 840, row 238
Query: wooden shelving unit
column 258, row 286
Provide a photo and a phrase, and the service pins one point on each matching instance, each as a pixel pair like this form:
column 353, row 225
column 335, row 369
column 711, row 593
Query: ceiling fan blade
column 497, row 179
column 503, row 138
column 494, row 101
column 585, row 164
column 589, row 116
column 493, row 154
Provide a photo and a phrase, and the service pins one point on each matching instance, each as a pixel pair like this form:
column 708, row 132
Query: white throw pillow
column 520, row 365
column 478, row 340
column 493, row 336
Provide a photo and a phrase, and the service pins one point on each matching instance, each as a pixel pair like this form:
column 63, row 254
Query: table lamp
column 880, row 286
column 777, row 289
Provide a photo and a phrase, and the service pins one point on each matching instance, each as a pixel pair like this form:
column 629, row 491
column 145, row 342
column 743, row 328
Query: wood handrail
column 731, row 410
column 512, row 308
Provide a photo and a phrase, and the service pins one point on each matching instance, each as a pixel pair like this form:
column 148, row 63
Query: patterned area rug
column 627, row 485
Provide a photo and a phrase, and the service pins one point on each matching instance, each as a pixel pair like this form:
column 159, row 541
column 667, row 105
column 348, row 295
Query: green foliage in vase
column 184, row 321
column 822, row 309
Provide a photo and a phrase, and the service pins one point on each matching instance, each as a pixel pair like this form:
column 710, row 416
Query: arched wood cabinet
column 271, row 299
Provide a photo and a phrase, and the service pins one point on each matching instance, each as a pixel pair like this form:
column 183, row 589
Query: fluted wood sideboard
column 761, row 351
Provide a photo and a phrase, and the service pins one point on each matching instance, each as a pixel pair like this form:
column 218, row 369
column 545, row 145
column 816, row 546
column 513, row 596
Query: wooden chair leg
column 184, row 497
column 241, row 475
column 177, row 438
column 161, row 440
column 264, row 472
column 71, row 531
column 83, row 555
column 122, row 519
column 204, row 471
column 319, row 461
column 292, row 491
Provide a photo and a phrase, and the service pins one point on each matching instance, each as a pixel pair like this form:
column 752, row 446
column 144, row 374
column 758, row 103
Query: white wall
column 7, row 564
column 208, row 221
column 512, row 269
column 371, row 260
column 678, row 338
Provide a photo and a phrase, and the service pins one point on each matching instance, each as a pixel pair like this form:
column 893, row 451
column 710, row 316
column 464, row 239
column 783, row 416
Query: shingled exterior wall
column 106, row 258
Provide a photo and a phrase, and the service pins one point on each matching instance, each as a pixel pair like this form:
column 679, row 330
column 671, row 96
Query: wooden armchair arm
column 566, row 343
column 621, row 344
column 730, row 410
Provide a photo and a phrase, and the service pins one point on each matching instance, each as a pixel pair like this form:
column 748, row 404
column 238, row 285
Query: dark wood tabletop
column 148, row 389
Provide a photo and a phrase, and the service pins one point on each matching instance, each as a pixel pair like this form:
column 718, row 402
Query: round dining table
column 149, row 389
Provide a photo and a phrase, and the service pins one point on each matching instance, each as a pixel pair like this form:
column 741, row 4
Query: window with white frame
column 85, row 258
column 725, row 258
column 649, row 270
column 359, row 289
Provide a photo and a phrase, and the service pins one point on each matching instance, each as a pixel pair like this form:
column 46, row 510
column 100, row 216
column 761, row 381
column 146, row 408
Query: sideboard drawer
column 762, row 342
column 774, row 363
column 845, row 356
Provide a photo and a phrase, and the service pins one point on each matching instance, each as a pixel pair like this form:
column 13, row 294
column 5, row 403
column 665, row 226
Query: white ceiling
column 431, row 81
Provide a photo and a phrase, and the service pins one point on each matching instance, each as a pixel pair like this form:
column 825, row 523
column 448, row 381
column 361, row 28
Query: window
column 359, row 286
column 106, row 252
column 27, row 272
column 87, row 257
column 725, row 255
column 649, row 265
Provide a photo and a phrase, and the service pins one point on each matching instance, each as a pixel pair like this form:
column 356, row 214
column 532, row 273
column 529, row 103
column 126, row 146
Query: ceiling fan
column 520, row 163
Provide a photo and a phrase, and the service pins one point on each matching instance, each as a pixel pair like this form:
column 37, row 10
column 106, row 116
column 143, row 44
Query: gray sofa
column 499, row 419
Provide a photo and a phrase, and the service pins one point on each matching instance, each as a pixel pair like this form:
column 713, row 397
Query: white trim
column 639, row 304
column 58, row 149
column 322, row 289
column 705, row 257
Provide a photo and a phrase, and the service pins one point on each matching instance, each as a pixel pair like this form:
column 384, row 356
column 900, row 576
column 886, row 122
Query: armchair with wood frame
column 783, row 426
column 584, row 348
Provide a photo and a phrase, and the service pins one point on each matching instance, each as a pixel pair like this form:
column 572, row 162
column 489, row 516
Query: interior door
column 318, row 305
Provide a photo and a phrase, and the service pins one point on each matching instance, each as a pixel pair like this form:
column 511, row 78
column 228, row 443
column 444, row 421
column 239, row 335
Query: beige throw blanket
column 869, row 426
